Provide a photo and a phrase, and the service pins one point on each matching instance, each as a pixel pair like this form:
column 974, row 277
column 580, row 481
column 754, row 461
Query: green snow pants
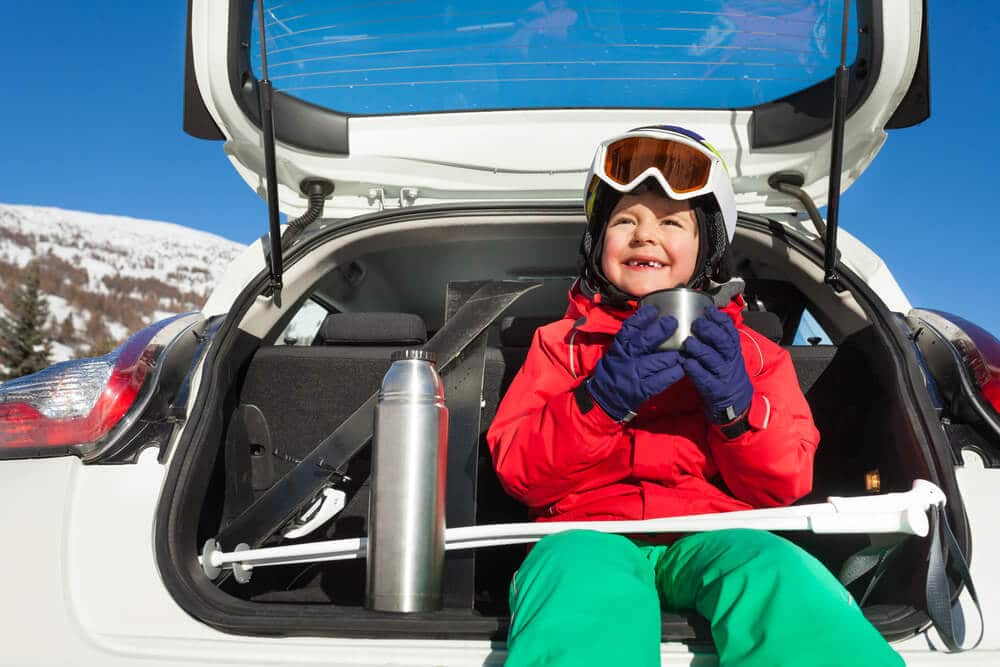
column 590, row 598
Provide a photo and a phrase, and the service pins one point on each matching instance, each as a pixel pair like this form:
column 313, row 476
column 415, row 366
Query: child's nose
column 642, row 233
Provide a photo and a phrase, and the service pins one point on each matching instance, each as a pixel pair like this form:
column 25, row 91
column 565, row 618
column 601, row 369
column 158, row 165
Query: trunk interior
column 287, row 387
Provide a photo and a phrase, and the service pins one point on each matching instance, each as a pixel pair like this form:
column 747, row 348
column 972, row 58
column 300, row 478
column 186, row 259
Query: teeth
column 655, row 265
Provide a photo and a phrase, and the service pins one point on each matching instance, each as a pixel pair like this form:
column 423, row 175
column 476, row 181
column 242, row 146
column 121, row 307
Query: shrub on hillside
column 24, row 340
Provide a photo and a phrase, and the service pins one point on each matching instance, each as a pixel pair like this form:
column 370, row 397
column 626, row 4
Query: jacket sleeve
column 544, row 445
column 771, row 464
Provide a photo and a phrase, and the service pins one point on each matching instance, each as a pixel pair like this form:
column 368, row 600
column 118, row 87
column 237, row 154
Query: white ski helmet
column 686, row 167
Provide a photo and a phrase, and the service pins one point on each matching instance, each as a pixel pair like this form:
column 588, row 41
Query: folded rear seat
column 295, row 396
column 292, row 398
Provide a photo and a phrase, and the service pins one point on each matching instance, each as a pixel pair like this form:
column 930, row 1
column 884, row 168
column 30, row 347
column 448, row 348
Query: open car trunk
column 271, row 392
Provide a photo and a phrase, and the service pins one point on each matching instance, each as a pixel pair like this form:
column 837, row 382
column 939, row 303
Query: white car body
column 87, row 555
column 79, row 554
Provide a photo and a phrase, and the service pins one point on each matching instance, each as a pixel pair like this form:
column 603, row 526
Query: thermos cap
column 413, row 353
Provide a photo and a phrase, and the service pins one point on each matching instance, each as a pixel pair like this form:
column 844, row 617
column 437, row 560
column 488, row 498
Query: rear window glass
column 810, row 332
column 304, row 326
column 394, row 57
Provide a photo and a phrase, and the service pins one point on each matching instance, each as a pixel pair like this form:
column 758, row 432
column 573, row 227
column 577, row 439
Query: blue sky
column 91, row 120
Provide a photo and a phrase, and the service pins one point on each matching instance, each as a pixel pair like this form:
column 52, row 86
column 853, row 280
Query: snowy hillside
column 107, row 276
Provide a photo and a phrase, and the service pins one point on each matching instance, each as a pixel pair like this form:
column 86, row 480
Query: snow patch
column 59, row 308
column 117, row 330
column 109, row 246
column 59, row 352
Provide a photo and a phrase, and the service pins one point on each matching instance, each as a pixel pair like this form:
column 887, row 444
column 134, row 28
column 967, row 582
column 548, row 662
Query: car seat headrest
column 372, row 329
column 765, row 323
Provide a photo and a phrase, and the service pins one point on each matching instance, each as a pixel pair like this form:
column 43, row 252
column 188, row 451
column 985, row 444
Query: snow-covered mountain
column 107, row 276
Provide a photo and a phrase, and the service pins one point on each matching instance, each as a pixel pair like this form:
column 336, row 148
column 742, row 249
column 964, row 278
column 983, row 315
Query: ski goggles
column 684, row 164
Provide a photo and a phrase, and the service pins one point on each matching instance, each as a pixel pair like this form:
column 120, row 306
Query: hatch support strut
column 836, row 155
column 265, row 97
column 790, row 183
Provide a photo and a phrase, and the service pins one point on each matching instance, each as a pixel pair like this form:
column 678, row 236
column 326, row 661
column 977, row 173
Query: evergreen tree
column 67, row 332
column 24, row 339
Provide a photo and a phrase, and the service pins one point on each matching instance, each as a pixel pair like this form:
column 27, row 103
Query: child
column 599, row 425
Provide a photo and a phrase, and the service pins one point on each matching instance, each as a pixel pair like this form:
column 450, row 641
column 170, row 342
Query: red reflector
column 992, row 393
column 18, row 412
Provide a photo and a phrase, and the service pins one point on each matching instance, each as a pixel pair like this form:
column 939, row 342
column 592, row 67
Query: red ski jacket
column 669, row 460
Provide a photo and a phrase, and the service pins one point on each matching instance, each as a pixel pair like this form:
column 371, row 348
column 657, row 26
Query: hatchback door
column 433, row 102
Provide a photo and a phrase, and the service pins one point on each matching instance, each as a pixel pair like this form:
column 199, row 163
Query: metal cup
column 685, row 304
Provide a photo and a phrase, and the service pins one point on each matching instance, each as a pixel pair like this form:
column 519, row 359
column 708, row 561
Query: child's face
column 650, row 243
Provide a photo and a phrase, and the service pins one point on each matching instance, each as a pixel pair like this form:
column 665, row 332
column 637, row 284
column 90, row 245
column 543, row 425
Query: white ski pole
column 904, row 512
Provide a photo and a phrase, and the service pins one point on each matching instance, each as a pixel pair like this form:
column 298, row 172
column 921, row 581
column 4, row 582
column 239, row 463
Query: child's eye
column 622, row 221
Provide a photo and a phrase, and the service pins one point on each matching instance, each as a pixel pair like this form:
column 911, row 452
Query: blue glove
column 713, row 359
column 632, row 370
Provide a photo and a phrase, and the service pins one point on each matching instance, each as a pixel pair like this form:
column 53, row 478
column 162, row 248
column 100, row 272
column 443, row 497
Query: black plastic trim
column 10, row 454
column 965, row 437
column 809, row 112
column 144, row 434
column 296, row 122
column 164, row 412
column 965, row 401
column 197, row 121
column 916, row 105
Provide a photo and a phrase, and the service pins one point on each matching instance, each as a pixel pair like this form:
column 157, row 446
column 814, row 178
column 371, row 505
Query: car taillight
column 980, row 351
column 75, row 403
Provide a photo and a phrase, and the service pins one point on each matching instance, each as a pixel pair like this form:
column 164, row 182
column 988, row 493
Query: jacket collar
column 592, row 316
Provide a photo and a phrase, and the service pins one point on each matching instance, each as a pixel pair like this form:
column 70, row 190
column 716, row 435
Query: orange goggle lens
column 686, row 169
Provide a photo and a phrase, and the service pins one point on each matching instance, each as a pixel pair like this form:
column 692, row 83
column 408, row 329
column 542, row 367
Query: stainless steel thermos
column 406, row 511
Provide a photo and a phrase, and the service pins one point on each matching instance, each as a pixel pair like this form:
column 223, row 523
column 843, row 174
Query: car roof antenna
column 836, row 156
column 264, row 99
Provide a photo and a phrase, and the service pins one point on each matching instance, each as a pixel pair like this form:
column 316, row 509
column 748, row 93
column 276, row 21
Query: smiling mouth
column 644, row 264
